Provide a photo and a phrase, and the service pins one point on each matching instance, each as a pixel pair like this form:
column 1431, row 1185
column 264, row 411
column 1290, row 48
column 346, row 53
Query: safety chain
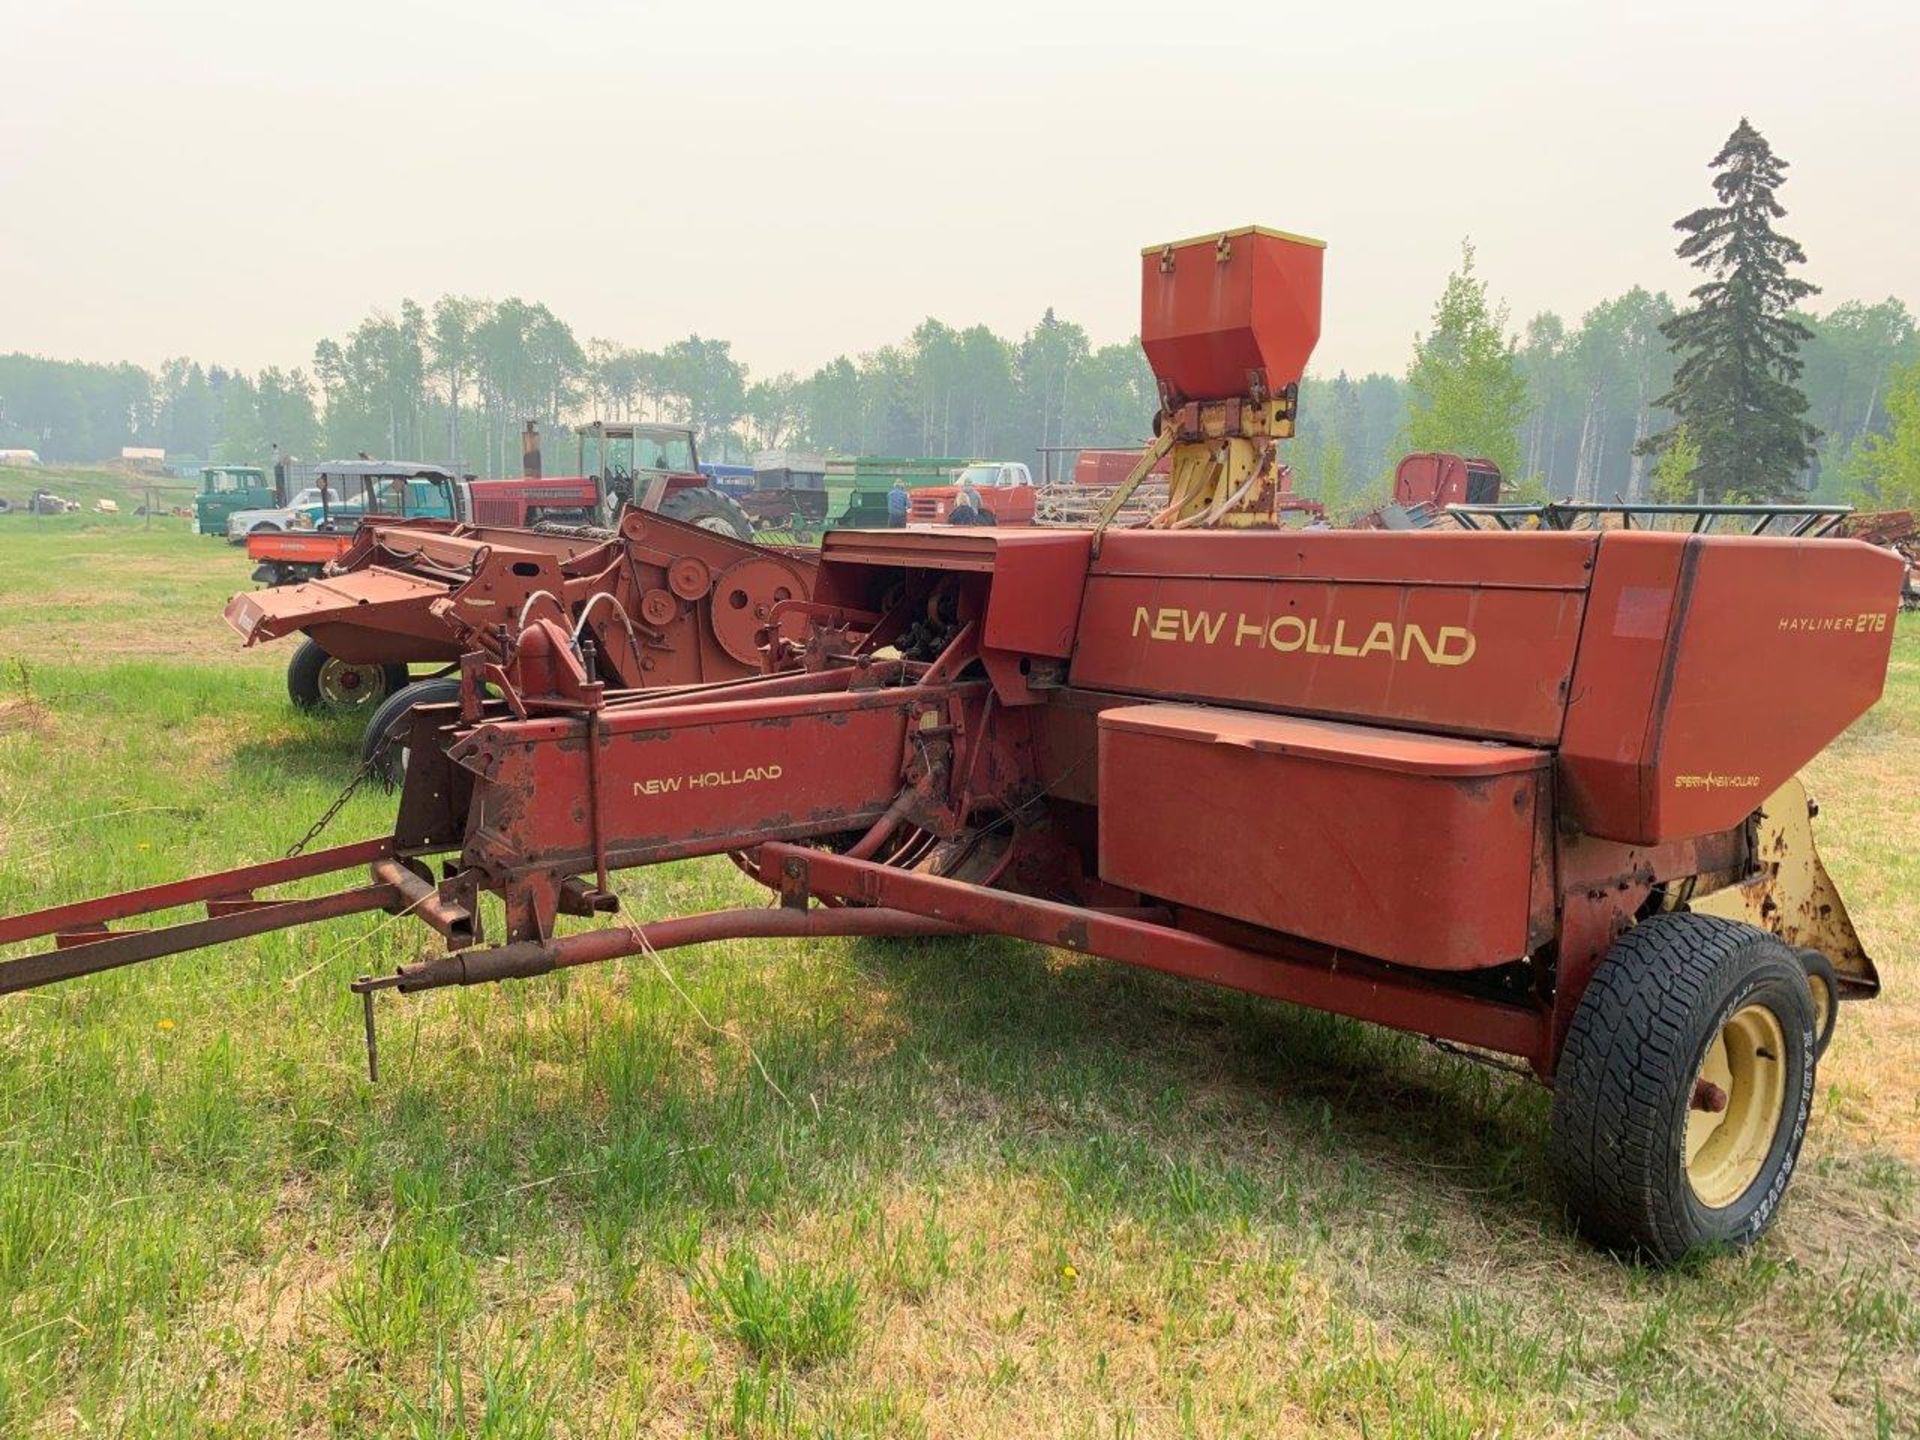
column 359, row 777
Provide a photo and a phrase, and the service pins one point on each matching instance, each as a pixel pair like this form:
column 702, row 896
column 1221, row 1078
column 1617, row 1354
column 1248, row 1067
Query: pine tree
column 1735, row 387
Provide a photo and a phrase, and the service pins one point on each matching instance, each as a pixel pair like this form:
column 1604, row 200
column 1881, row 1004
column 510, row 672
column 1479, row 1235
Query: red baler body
column 1333, row 767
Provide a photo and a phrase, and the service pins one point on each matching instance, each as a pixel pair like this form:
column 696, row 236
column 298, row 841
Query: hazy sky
column 233, row 181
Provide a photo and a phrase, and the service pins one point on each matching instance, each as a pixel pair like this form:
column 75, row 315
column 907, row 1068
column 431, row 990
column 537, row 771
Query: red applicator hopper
column 1230, row 314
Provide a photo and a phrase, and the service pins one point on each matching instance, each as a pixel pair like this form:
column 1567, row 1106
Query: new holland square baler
column 1532, row 794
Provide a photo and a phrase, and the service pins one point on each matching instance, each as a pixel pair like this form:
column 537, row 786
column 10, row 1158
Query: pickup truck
column 329, row 512
column 225, row 490
column 1006, row 493
column 295, row 541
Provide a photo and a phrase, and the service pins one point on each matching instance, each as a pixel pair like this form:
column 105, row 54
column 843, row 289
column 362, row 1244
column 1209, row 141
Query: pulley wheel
column 657, row 607
column 743, row 601
column 689, row 578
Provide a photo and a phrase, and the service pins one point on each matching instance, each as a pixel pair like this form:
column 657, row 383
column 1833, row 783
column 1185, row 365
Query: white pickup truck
column 1005, row 488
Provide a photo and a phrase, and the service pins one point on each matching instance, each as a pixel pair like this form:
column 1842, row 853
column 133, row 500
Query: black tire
column 1823, row 987
column 1625, row 1086
column 316, row 681
column 710, row 509
column 388, row 760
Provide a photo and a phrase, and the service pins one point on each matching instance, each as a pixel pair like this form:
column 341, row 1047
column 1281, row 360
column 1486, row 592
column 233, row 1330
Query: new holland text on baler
column 1533, row 793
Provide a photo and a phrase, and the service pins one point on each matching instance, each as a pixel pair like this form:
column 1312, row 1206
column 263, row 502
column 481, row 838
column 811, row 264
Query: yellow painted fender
column 1791, row 894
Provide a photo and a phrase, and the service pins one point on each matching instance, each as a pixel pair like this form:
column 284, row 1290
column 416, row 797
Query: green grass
column 86, row 484
column 996, row 1189
column 787, row 1314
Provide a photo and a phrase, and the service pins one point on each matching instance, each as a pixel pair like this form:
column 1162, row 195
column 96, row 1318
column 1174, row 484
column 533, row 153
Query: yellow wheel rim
column 1738, row 1100
column 1822, row 1002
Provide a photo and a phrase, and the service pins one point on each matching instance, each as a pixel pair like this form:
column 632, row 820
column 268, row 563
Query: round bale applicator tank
column 1230, row 315
column 1228, row 322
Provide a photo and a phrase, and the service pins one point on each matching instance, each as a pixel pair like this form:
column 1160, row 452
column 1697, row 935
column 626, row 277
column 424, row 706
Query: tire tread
column 1626, row 1052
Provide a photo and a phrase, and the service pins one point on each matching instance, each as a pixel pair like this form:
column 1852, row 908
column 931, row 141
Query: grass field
column 966, row 1188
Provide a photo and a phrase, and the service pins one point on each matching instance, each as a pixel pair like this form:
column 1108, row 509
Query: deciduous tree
column 1885, row 470
column 1465, row 390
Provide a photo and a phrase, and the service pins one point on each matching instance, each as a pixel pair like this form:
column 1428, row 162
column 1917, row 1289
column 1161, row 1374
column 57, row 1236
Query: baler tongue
column 1228, row 322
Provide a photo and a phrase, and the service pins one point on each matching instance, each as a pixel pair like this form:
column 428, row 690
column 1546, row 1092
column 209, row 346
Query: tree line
column 1745, row 393
column 454, row 382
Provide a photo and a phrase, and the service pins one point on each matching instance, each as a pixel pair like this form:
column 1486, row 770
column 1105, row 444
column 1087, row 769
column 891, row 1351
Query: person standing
column 897, row 503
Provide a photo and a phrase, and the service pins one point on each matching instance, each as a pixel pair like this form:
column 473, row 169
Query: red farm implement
column 658, row 602
column 1532, row 794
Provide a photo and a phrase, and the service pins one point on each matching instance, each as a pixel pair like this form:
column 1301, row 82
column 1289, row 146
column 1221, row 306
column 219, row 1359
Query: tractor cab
column 653, row 467
column 226, row 490
column 623, row 456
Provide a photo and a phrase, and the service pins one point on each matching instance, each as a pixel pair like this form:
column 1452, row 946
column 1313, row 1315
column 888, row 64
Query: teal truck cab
column 224, row 491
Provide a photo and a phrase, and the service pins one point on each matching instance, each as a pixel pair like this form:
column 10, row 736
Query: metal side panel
column 1463, row 634
column 1420, row 850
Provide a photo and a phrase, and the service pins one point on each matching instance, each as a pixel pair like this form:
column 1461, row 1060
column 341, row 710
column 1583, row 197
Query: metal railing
column 1786, row 520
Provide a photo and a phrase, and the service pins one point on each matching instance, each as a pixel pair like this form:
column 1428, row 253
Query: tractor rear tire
column 379, row 748
column 317, row 681
column 710, row 509
column 1682, row 1093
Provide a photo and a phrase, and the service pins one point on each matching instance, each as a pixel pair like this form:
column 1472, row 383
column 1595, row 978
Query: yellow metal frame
column 1791, row 895
column 1225, row 470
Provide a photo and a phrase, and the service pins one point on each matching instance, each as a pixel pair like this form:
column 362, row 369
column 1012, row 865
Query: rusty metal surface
column 373, row 598
column 685, row 780
column 525, row 960
column 649, row 597
column 113, row 949
column 225, row 884
column 932, row 732
column 1604, row 885
column 1324, row 862
column 419, row 896
column 1790, row 894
